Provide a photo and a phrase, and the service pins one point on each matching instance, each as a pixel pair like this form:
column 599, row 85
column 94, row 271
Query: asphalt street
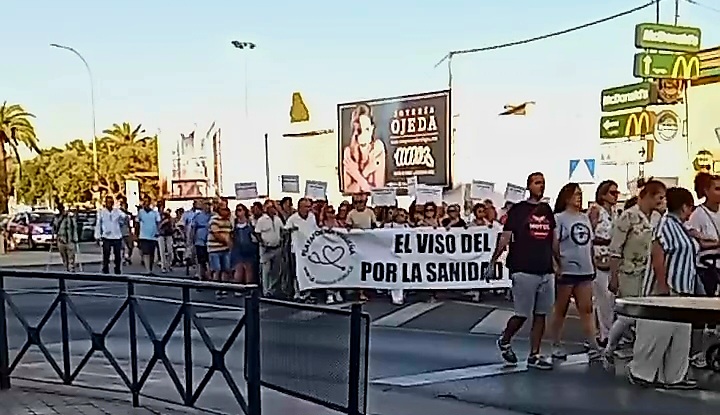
column 429, row 358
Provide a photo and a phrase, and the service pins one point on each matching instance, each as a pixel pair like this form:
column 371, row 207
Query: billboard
column 382, row 142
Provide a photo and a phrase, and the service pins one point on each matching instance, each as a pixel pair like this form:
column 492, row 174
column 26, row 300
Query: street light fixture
column 245, row 46
column 92, row 104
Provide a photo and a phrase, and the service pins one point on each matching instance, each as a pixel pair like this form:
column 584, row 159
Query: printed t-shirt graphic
column 532, row 226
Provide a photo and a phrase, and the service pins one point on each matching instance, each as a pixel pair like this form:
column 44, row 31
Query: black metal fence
column 274, row 348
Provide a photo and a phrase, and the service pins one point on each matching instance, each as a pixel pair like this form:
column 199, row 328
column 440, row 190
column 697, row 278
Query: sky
column 169, row 66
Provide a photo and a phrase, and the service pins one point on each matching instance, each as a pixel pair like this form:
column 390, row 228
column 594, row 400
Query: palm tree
column 15, row 129
column 125, row 133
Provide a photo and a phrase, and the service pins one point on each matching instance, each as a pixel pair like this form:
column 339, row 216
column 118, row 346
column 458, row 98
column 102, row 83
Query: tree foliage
column 16, row 130
column 124, row 153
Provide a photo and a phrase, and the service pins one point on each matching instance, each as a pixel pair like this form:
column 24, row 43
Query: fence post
column 252, row 351
column 132, row 328
column 4, row 349
column 355, row 351
column 64, row 330
column 187, row 345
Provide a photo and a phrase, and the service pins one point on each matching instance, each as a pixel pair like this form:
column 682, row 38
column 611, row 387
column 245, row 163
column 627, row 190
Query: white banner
column 421, row 258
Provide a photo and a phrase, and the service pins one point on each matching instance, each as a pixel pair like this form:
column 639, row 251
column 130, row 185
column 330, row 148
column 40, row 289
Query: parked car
column 31, row 230
column 86, row 225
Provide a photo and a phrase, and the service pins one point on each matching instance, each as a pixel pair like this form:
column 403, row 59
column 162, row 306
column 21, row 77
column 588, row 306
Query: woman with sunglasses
column 430, row 217
column 453, row 219
column 244, row 247
column 342, row 212
column 479, row 216
column 601, row 216
column 576, row 271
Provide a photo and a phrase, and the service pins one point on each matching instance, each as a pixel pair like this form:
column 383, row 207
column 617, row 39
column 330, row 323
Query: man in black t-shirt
column 529, row 232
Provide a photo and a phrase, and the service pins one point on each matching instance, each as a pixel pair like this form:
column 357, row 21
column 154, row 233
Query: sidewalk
column 30, row 398
column 21, row 259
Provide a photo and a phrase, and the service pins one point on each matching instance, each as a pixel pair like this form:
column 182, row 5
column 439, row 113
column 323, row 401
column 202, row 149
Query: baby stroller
column 178, row 246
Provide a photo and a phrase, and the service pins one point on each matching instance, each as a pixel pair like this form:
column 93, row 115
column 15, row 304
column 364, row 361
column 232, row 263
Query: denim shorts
column 533, row 294
column 220, row 261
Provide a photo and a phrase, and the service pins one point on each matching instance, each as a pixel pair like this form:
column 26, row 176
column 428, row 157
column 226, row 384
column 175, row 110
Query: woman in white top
column 399, row 220
column 704, row 224
column 601, row 215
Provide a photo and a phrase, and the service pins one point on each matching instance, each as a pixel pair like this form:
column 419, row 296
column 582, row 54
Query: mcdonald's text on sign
column 667, row 37
column 635, row 124
column 628, row 96
column 666, row 66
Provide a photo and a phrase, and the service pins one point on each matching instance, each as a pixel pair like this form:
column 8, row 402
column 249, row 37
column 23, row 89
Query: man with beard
column 529, row 232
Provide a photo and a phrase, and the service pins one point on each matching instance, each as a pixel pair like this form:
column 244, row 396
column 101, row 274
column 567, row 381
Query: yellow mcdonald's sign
column 639, row 123
column 690, row 68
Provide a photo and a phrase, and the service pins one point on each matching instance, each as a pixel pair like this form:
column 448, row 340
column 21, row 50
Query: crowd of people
column 659, row 244
column 260, row 240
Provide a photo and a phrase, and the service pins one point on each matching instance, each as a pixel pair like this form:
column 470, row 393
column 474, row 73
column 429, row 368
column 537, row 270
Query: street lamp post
column 92, row 104
column 243, row 46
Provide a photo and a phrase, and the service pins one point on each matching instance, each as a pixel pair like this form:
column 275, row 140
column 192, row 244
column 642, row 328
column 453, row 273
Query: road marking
column 493, row 323
column 234, row 315
column 405, row 314
column 472, row 372
column 305, row 315
column 703, row 395
column 450, row 375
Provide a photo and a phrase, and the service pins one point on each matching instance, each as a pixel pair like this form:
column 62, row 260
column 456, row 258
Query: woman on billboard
column 364, row 156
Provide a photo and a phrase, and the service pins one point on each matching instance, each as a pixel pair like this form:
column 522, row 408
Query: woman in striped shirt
column 661, row 353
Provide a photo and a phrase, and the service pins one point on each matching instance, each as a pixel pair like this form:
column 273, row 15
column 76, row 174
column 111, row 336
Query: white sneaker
column 330, row 299
column 338, row 297
column 558, row 352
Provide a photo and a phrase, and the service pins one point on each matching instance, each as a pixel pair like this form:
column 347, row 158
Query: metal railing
column 185, row 318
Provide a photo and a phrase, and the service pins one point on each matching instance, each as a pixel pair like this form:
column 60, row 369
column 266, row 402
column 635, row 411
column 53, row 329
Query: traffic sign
column 627, row 152
column 658, row 65
column 667, row 37
column 628, row 96
column 627, row 125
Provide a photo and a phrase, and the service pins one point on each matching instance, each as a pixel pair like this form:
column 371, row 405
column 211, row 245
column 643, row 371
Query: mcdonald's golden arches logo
column 638, row 124
column 690, row 65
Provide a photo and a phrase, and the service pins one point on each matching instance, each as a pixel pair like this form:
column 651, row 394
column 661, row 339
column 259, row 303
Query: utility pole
column 677, row 11
column 657, row 11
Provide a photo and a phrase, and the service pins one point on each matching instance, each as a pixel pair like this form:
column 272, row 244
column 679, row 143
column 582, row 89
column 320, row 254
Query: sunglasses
column 614, row 193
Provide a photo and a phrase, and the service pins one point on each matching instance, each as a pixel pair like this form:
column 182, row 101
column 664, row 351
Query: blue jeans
column 220, row 261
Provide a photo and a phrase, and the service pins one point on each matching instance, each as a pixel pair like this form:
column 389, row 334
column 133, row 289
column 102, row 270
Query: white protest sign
column 480, row 190
column 425, row 194
column 410, row 259
column 383, row 196
column 316, row 190
column 246, row 190
column 290, row 183
column 514, row 193
column 412, row 183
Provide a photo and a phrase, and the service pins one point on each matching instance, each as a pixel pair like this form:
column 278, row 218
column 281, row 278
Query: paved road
column 424, row 358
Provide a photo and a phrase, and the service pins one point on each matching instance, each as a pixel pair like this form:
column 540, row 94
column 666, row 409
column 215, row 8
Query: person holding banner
column 399, row 220
column 364, row 157
column 576, row 271
column 301, row 225
column 529, row 233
